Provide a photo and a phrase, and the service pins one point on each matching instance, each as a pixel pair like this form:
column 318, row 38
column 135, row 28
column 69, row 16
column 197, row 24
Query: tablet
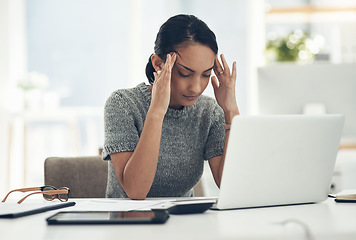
column 108, row 217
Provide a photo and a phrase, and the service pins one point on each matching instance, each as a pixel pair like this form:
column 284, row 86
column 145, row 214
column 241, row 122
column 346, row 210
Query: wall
column 12, row 65
column 86, row 57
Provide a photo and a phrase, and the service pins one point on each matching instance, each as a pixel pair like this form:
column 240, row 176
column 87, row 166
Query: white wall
column 12, row 65
column 91, row 57
column 4, row 49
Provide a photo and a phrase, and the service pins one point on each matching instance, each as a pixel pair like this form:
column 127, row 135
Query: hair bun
column 150, row 70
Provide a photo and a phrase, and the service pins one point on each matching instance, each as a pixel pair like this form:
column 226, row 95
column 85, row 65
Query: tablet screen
column 108, row 217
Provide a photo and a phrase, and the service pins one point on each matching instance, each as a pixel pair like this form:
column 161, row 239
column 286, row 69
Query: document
column 108, row 204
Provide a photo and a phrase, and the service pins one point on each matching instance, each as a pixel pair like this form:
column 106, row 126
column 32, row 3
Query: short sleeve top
column 189, row 136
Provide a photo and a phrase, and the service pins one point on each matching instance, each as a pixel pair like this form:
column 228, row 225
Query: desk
column 325, row 220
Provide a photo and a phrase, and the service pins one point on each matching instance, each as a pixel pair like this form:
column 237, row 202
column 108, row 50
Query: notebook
column 15, row 210
column 279, row 160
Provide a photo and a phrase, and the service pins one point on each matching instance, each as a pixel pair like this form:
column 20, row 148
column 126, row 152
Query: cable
column 308, row 234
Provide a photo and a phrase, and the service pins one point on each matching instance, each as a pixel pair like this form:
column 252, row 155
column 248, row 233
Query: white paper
column 117, row 204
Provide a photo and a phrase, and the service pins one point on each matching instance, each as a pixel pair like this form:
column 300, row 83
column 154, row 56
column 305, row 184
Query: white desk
column 326, row 220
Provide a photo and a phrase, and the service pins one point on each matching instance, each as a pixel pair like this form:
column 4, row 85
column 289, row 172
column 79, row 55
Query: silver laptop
column 279, row 160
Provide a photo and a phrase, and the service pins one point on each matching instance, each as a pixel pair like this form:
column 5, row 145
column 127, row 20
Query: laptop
column 279, row 160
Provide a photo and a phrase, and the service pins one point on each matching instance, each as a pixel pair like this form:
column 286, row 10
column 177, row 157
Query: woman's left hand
column 224, row 87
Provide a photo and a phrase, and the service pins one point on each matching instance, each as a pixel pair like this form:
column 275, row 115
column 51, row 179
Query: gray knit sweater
column 189, row 136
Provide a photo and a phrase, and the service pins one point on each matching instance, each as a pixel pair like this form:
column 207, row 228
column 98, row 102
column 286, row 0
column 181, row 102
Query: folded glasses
column 49, row 193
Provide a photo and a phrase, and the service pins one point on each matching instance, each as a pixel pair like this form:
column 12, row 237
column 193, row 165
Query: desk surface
column 325, row 220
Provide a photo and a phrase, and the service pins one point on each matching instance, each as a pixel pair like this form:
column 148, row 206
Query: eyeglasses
column 49, row 193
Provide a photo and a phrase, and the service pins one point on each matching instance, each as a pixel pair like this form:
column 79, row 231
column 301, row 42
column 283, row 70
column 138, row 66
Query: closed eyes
column 188, row 75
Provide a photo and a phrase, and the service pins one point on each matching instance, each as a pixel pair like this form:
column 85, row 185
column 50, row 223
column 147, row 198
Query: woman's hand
column 161, row 90
column 224, row 87
column 224, row 90
column 136, row 170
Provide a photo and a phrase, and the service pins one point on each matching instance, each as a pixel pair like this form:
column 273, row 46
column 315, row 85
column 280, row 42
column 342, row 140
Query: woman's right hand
column 136, row 170
column 161, row 90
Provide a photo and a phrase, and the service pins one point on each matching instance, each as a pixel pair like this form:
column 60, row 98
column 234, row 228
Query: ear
column 157, row 62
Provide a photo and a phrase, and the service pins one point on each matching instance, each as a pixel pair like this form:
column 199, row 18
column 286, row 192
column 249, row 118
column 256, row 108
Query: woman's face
column 190, row 74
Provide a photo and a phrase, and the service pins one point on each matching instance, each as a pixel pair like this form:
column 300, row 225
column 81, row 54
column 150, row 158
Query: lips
column 190, row 98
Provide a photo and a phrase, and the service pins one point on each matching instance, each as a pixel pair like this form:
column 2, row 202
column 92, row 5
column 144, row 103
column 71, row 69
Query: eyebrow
column 189, row 69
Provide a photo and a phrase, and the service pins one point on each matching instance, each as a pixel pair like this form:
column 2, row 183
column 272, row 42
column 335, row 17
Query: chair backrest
column 85, row 176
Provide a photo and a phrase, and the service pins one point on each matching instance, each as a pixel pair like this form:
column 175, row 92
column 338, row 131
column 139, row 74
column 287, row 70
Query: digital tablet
column 108, row 217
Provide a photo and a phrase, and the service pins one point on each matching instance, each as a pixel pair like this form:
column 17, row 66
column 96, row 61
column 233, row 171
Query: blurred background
column 60, row 60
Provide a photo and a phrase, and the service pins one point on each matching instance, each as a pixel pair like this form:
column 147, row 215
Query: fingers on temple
column 223, row 60
column 174, row 58
column 171, row 58
column 217, row 66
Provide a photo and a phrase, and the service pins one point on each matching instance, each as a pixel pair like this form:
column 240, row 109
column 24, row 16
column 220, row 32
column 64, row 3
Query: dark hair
column 177, row 30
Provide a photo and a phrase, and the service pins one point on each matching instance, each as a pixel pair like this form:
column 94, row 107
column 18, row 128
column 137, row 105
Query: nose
column 195, row 85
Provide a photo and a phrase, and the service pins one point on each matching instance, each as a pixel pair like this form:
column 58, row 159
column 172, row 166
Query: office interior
column 60, row 60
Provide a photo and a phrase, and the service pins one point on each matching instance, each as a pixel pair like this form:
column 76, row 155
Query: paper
column 104, row 204
column 117, row 204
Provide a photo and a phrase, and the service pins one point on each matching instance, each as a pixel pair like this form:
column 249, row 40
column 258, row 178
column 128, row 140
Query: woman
column 158, row 136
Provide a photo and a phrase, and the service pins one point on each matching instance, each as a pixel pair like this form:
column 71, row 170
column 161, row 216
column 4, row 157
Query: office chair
column 85, row 176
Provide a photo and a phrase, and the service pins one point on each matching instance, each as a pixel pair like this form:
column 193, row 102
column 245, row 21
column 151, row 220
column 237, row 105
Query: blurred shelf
column 348, row 143
column 311, row 14
column 62, row 113
column 310, row 9
column 70, row 116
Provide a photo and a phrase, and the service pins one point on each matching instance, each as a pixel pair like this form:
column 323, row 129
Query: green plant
column 297, row 46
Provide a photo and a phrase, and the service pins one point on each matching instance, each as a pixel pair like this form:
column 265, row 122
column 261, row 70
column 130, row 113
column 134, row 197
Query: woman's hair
column 177, row 30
